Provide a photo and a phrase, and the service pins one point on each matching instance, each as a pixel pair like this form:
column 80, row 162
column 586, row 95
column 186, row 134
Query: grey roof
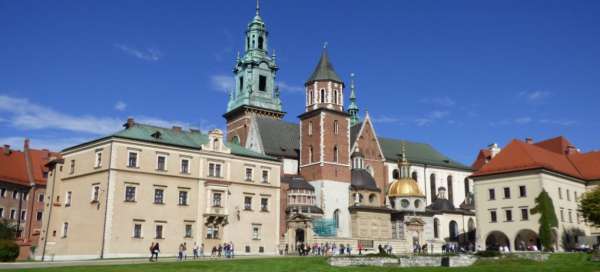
column 324, row 70
column 441, row 204
column 279, row 138
column 362, row 180
column 297, row 182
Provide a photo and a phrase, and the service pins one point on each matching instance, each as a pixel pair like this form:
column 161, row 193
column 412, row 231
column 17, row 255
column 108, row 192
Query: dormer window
column 156, row 135
column 216, row 144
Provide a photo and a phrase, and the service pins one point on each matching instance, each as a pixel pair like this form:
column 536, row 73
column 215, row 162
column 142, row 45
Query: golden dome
column 405, row 188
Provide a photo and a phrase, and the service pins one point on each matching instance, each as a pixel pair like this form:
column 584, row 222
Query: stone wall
column 361, row 261
column 405, row 261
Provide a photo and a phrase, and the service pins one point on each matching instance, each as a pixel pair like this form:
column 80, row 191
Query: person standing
column 151, row 251
column 155, row 251
column 195, row 250
column 180, row 253
column 184, row 250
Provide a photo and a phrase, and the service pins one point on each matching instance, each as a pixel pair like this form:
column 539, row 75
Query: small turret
column 353, row 107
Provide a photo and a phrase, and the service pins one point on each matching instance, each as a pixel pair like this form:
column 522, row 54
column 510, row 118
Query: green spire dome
column 255, row 72
column 324, row 70
column 353, row 107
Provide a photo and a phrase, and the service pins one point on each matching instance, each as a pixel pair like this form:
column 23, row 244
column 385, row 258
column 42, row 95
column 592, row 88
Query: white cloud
column 223, row 83
column 149, row 54
column 284, row 87
column 430, row 118
column 534, row 96
column 120, row 106
column 385, row 119
column 560, row 122
column 440, row 101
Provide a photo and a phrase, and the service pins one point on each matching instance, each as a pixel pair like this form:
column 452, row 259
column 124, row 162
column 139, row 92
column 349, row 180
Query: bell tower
column 255, row 91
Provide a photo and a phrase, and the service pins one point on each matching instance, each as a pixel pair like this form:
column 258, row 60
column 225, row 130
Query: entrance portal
column 495, row 240
column 299, row 236
column 527, row 240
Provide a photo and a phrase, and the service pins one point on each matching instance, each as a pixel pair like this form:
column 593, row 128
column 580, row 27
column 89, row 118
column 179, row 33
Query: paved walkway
column 23, row 265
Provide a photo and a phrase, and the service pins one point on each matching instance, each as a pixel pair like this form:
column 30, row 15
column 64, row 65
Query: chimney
column 529, row 140
column 6, row 149
column 193, row 130
column 494, row 150
column 177, row 129
column 130, row 123
column 571, row 149
column 26, row 144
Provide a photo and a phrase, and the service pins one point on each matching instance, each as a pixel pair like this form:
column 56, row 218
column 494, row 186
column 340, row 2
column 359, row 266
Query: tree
column 548, row 221
column 589, row 206
column 7, row 230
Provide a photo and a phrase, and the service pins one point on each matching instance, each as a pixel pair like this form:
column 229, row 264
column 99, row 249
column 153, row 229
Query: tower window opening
column 322, row 96
column 262, row 83
column 241, row 83
column 335, row 153
column 335, row 97
column 260, row 42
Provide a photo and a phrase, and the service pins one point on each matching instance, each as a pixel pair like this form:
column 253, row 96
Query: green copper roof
column 417, row 153
column 324, row 70
column 168, row 136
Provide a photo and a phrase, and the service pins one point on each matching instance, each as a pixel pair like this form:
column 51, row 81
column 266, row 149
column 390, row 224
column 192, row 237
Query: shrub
column 488, row 253
column 9, row 251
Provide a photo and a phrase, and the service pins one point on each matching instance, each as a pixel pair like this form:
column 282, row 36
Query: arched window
column 414, row 175
column 311, row 97
column 236, row 139
column 310, row 128
column 436, row 228
column 335, row 96
column 453, row 231
column 322, row 96
column 216, row 144
column 417, row 203
column 432, row 186
column 310, row 154
column 395, row 174
column 335, row 153
column 467, row 188
column 260, row 42
column 336, row 218
column 450, row 188
column 247, row 42
column 335, row 127
column 372, row 198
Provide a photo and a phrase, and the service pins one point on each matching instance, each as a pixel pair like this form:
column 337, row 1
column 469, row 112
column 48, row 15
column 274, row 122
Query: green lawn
column 557, row 262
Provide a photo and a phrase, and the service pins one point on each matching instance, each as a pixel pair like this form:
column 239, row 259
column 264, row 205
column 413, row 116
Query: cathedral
column 340, row 181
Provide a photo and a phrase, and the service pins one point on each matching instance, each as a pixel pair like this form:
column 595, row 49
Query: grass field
column 557, row 262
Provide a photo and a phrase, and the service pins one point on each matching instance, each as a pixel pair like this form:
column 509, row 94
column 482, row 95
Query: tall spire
column 353, row 107
column 324, row 70
column 403, row 164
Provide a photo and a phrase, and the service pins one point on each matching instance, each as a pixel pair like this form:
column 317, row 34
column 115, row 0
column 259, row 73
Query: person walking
column 151, row 251
column 155, row 251
column 180, row 253
column 195, row 250
column 184, row 250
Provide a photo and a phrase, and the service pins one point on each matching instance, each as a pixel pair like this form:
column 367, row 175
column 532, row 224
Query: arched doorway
column 471, row 231
column 453, row 230
column 299, row 236
column 495, row 240
column 527, row 240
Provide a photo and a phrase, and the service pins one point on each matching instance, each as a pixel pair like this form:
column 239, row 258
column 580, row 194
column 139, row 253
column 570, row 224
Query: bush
column 488, row 253
column 9, row 251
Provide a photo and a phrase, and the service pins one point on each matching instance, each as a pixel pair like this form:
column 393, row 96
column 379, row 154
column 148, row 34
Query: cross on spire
column 257, row 7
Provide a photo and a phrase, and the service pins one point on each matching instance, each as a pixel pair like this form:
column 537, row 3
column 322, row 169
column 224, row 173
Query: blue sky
column 456, row 74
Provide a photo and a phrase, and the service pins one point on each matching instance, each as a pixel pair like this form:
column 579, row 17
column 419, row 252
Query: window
column 576, row 216
column 336, row 127
column 335, row 153
column 262, row 83
column 336, row 218
column 214, row 170
column 492, row 193
column 161, row 162
column 212, row 232
column 216, row 200
column 508, row 214
column 132, row 161
column 65, row 230
column 241, row 83
column 264, row 204
column 183, row 198
column 260, row 42
column 68, row 199
column 568, row 195
column 1, row 212
column 404, row 203
column 3, row 192
column 185, row 166
column 335, row 96
column 493, row 217
column 13, row 214
column 261, row 249
column 522, row 191
column 72, row 167
column 575, row 195
column 41, row 198
column 570, row 216
column 130, row 194
column 188, row 230
column 559, row 193
column 310, row 154
column 449, row 181
column 432, row 187
column 98, row 162
column 506, row 192
column 372, row 198
column 247, row 203
column 322, row 96
column 467, row 187
column 524, row 214
column 248, row 174
column 562, row 215
column 15, row 194
column 247, row 249
column 95, row 193
column 137, row 230
column 159, row 232
column 38, row 216
column 255, row 232
column 414, row 175
column 436, row 228
column 265, row 176
column 23, row 213
column 159, row 196
column 395, row 174
column 310, row 125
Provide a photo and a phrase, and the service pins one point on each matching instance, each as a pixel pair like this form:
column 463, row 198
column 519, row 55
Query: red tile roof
column 482, row 158
column 550, row 154
column 13, row 165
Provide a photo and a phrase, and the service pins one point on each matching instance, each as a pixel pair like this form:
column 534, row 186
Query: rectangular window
column 265, row 176
column 65, row 229
column 508, row 214
column 72, row 167
column 159, row 232
column 492, row 194
column 98, row 162
column 185, row 166
column 310, row 128
column 522, row 191
column 575, row 195
column 570, row 216
column 68, row 199
column 576, row 216
column 214, row 170
column 137, row 230
column 15, row 194
column 568, row 195
column 524, row 214
column 562, row 215
column 132, row 161
column 216, row 200
column 23, row 212
column 183, row 198
column 1, row 212
column 559, row 193
column 188, row 231
column 13, row 214
column 493, row 217
column 3, row 192
column 506, row 193
column 248, row 203
column 255, row 232
column 248, row 174
column 212, row 232
column 241, row 83
column 38, row 216
column 335, row 127
column 262, row 83
column 161, row 163
column 264, row 204
column 95, row 193
column 159, row 196
column 41, row 198
column 130, row 194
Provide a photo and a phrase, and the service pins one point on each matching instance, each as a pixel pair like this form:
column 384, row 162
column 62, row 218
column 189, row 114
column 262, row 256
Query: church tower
column 324, row 144
column 255, row 90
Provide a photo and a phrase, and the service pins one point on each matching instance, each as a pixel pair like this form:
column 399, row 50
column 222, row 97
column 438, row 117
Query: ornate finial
column 325, row 45
column 257, row 7
column 403, row 153
column 352, row 95
column 238, row 56
column 403, row 163
column 273, row 56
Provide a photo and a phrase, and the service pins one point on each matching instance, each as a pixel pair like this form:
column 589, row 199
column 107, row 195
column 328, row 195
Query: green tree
column 589, row 206
column 548, row 221
column 7, row 230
